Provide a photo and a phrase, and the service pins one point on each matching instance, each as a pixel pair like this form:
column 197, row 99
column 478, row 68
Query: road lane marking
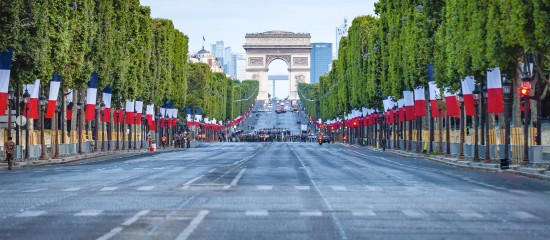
column 212, row 170
column 264, row 187
column 73, row 189
column 524, row 215
column 88, row 213
column 111, row 233
column 238, row 177
column 413, row 213
column 158, row 168
column 364, row 213
column 134, row 218
column 311, row 214
column 192, row 180
column 193, row 225
column 301, row 187
column 146, row 188
column 226, row 186
column 469, row 214
column 374, row 188
column 30, row 214
column 35, row 190
column 338, row 188
column 105, row 189
column 257, row 213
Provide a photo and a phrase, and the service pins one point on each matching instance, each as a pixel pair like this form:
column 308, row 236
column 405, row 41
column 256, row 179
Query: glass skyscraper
column 321, row 59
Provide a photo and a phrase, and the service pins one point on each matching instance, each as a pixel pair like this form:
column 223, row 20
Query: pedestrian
column 163, row 141
column 383, row 144
column 9, row 150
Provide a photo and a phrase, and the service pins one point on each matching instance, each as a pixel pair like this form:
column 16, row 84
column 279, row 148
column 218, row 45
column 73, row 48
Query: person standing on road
column 9, row 150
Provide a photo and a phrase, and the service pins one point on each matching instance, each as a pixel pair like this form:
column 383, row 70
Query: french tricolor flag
column 107, row 95
column 5, row 65
column 150, row 115
column 33, row 90
column 401, row 110
column 451, row 103
column 91, row 97
column 408, row 96
column 419, row 102
column 495, row 102
column 55, row 83
column 139, row 111
column 435, row 95
column 130, row 111
column 468, row 86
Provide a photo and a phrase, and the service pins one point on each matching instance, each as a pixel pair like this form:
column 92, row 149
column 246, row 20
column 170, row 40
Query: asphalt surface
column 270, row 191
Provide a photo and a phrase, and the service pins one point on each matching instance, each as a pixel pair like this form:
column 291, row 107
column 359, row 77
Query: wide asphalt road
column 270, row 191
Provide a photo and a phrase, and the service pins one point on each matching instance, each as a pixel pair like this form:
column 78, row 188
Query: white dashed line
column 469, row 214
column 364, row 213
column 134, row 218
column 311, row 214
column 73, row 189
column 106, row 189
column 257, row 213
column 88, row 213
column 413, row 214
column 193, row 225
column 301, row 187
column 264, row 187
column 146, row 188
column 238, row 177
column 374, row 188
column 524, row 215
column 31, row 214
column 338, row 188
column 212, row 170
column 192, row 180
column 111, row 233
column 35, row 190
column 158, row 168
column 226, row 186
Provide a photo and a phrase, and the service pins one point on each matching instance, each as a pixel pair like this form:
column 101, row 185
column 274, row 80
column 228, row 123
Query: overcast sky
column 230, row 20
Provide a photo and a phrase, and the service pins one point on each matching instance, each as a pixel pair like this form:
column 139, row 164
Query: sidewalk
column 539, row 173
column 86, row 156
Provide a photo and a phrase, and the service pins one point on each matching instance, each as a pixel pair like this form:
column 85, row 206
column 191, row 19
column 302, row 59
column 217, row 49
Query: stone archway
column 292, row 48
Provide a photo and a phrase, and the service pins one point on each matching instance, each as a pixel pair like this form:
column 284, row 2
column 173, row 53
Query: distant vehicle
column 298, row 122
column 324, row 138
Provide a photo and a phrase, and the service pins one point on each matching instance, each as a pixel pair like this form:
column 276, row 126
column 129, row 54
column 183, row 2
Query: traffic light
column 524, row 91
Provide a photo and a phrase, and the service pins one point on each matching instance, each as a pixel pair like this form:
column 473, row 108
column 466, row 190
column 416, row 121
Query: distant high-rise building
column 240, row 66
column 218, row 51
column 321, row 59
column 228, row 62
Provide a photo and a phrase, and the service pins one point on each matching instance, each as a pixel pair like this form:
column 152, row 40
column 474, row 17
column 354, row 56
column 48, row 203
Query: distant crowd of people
column 272, row 135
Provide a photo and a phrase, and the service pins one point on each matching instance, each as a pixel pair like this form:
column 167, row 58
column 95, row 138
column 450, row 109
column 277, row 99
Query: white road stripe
column 193, row 225
column 338, row 188
column 105, row 189
column 311, row 214
column 469, row 214
column 158, row 168
column 364, row 213
column 374, row 188
column 73, row 189
column 226, row 186
column 88, row 213
column 524, row 215
column 264, row 187
column 136, row 217
column 111, row 233
column 146, row 188
column 31, row 214
column 238, row 177
column 413, row 213
column 35, row 190
column 257, row 213
column 193, row 180
column 301, row 187
column 211, row 170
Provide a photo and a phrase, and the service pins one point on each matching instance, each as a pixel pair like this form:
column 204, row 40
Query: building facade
column 321, row 60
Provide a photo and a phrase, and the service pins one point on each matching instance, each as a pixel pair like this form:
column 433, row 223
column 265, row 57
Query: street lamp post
column 159, row 131
column 381, row 119
column 56, row 129
column 27, row 99
column 143, row 130
column 42, row 101
column 135, row 129
column 117, row 128
column 476, row 122
column 486, row 116
column 102, row 107
column 462, row 125
column 10, row 102
column 440, row 126
column 506, row 88
column 96, row 128
column 526, row 82
column 395, row 120
column 79, row 121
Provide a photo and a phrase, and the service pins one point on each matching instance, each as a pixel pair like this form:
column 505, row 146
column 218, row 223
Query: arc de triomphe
column 263, row 48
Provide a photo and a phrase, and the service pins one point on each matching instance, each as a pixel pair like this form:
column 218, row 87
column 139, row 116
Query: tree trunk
column 516, row 101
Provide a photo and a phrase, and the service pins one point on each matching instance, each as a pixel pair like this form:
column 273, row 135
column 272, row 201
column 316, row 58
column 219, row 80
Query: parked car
column 324, row 138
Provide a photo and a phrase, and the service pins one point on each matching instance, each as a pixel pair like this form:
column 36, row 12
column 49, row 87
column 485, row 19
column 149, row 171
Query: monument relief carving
column 255, row 61
column 256, row 76
column 300, row 78
column 285, row 58
column 300, row 61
